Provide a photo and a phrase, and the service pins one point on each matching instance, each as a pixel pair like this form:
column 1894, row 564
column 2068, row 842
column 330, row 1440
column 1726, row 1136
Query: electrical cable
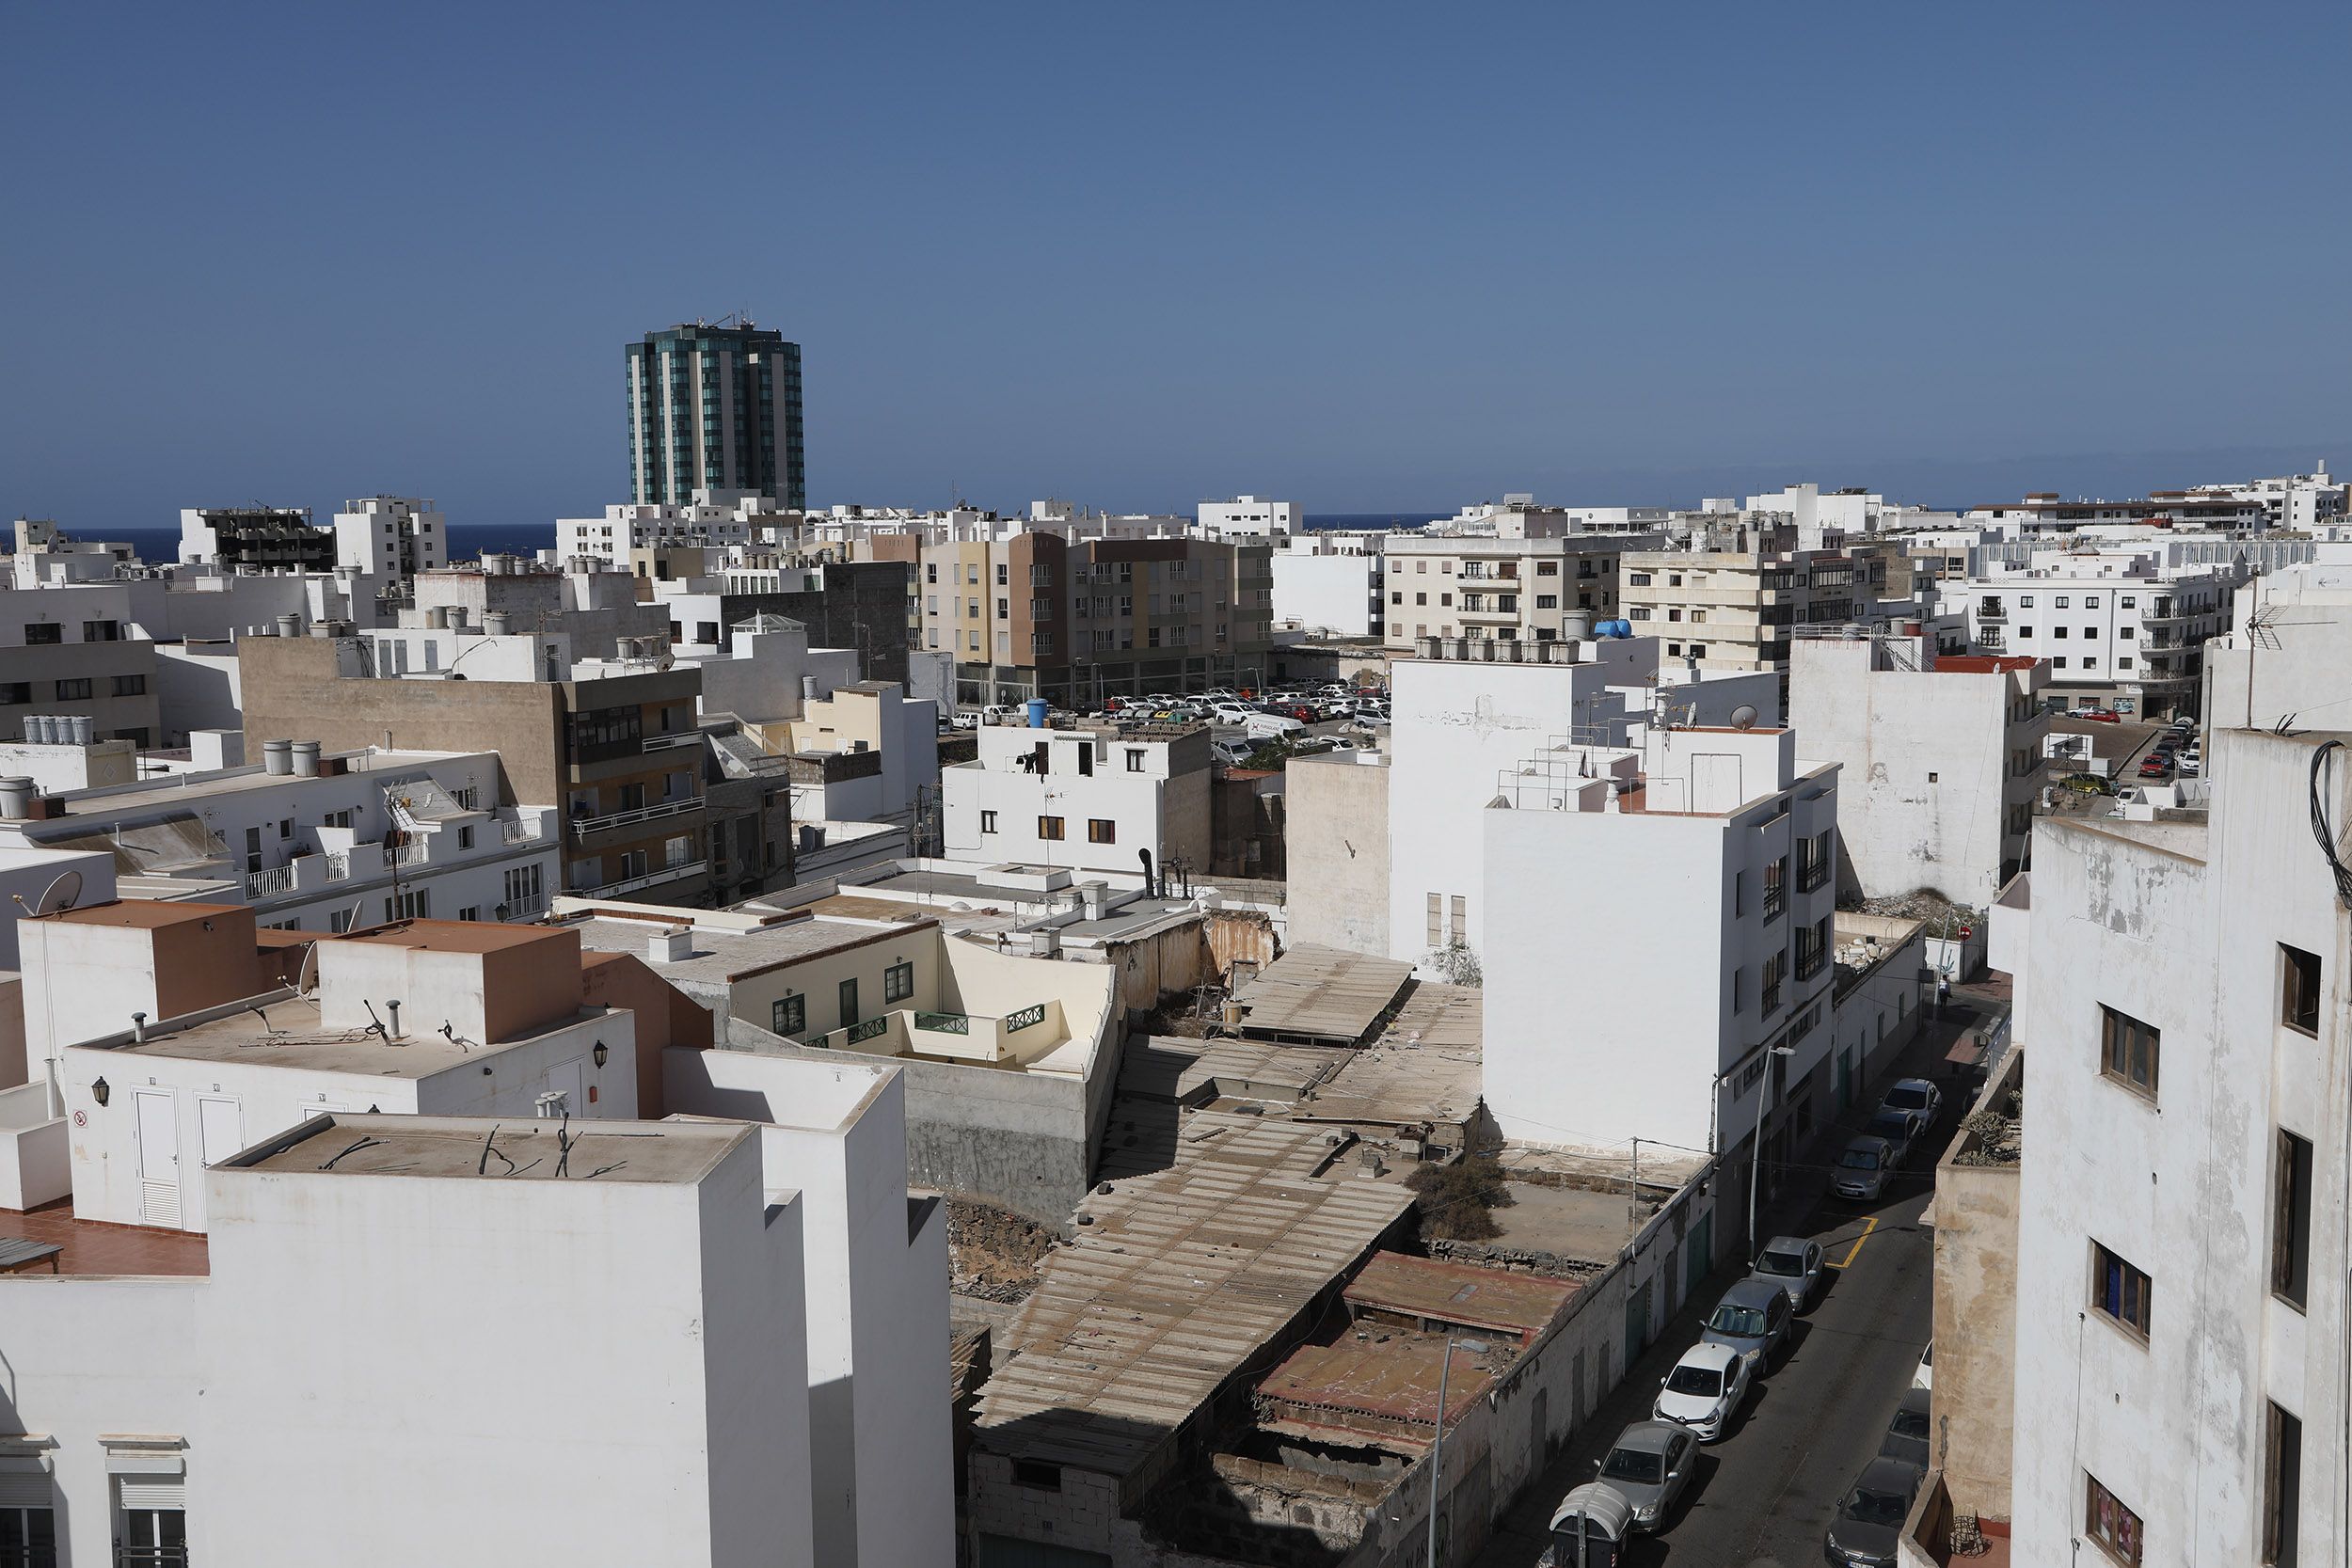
column 2321, row 831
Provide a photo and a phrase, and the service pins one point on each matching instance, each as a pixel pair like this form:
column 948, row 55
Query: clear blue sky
column 1367, row 257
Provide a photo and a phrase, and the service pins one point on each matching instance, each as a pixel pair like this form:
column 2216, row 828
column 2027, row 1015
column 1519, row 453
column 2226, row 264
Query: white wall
column 1339, row 593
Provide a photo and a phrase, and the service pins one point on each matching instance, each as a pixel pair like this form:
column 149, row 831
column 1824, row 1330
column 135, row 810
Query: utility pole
column 1436, row 1450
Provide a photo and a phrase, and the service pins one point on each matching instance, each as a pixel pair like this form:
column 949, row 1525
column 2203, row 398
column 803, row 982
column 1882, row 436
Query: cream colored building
column 1523, row 590
column 1739, row 610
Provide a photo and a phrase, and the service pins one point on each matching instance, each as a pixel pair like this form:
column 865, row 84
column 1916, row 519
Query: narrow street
column 1763, row 1496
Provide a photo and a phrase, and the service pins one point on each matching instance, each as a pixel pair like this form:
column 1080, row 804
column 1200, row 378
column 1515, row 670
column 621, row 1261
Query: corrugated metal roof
column 1320, row 994
column 1180, row 1279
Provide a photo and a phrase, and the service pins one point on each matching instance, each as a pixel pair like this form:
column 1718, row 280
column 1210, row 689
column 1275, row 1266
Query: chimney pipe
column 393, row 1009
column 138, row 1028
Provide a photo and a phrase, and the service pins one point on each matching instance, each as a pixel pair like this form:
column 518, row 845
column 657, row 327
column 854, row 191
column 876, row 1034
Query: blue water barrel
column 1037, row 713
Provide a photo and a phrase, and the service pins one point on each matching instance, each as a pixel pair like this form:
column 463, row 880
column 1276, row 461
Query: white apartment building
column 1940, row 758
column 1331, row 583
column 2287, row 651
column 1533, row 590
column 311, row 841
column 1084, row 799
column 2182, row 1345
column 714, row 518
column 77, row 650
column 1692, row 880
column 2043, row 510
column 1518, row 516
column 365, row 1360
column 2116, row 627
column 2300, row 502
column 1249, row 518
column 390, row 538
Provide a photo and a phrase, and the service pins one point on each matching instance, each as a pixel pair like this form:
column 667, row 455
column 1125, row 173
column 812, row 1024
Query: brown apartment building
column 1076, row 620
column 620, row 754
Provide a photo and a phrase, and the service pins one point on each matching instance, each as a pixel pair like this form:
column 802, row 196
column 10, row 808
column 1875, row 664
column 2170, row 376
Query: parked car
column 997, row 713
column 2153, row 768
column 965, row 718
column 1228, row 753
column 2097, row 715
column 1649, row 1464
column 2188, row 768
column 1862, row 1169
column 1914, row 1094
column 1899, row 1130
column 1704, row 1390
column 1751, row 1318
column 1925, row 1376
column 1230, row 712
column 1794, row 1264
column 1907, row 1434
column 1871, row 1514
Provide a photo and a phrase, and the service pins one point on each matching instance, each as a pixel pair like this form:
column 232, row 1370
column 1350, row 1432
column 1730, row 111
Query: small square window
column 788, row 1014
column 2121, row 1292
column 2298, row 997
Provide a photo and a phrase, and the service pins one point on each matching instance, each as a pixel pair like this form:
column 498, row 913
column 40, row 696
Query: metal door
column 1637, row 1323
column 158, row 1130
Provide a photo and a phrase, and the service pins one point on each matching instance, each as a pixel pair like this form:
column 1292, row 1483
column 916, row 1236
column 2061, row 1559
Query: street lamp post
column 1755, row 1149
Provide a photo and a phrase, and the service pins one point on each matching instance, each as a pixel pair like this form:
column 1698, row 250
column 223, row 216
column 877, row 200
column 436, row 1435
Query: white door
column 569, row 1080
column 159, row 1158
column 220, row 1123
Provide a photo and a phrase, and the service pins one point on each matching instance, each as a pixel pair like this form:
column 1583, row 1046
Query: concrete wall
column 1975, row 1400
column 1338, row 849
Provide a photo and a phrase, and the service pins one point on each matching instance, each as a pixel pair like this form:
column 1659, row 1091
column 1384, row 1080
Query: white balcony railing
column 339, row 865
column 269, row 883
column 663, row 742
column 632, row 884
column 583, row 825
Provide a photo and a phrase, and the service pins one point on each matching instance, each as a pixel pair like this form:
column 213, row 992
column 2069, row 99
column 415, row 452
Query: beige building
column 1737, row 610
column 1077, row 620
column 1974, row 1399
column 1460, row 585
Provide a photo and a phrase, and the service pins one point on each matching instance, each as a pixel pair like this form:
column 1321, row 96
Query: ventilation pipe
column 392, row 1008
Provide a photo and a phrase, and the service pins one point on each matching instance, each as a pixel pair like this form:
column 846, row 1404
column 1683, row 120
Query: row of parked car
column 2177, row 750
column 1650, row 1464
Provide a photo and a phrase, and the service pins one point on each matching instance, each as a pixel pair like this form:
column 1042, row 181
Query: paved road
column 1763, row 1496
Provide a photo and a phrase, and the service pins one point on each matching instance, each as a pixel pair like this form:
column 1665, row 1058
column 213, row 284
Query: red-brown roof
column 1981, row 664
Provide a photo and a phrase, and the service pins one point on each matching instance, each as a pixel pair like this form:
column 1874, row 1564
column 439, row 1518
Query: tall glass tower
column 714, row 407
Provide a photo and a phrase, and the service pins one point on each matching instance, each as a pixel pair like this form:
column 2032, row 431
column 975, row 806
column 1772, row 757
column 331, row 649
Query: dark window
column 1777, row 888
column 68, row 690
column 849, row 1002
column 1102, row 830
column 15, row 693
column 2290, row 1219
column 1049, row 826
column 102, row 631
column 2128, row 1050
column 1085, row 759
column 2119, row 1289
column 897, row 982
column 2298, row 1003
column 789, row 1015
column 1135, row 760
column 988, row 821
column 2283, row 1488
column 40, row 632
column 1036, row 1473
column 130, row 686
column 29, row 1536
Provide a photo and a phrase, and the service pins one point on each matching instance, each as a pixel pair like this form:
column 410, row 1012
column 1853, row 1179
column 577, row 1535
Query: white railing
column 269, row 883
column 339, row 865
column 411, row 853
column 523, row 908
column 632, row 884
column 663, row 742
column 586, row 825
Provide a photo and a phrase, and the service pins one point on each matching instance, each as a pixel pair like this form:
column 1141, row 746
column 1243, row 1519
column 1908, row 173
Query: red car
column 2153, row 768
column 2098, row 715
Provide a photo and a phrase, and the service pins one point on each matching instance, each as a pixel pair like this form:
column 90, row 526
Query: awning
column 1968, row 1051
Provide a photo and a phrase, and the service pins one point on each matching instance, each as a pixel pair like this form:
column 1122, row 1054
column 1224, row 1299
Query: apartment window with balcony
column 1547, row 568
column 2112, row 1528
column 2291, row 1220
column 1769, row 975
column 1815, row 857
column 153, row 1525
column 1775, row 888
column 2283, row 1488
column 1102, row 830
column 2299, row 990
column 1049, row 828
column 2120, row 1291
column 1813, row 947
column 2129, row 1050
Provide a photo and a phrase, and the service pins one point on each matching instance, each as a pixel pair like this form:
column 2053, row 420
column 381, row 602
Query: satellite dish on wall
column 307, row 981
column 1743, row 717
column 60, row 893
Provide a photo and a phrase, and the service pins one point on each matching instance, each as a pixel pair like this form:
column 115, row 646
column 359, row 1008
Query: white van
column 1270, row 726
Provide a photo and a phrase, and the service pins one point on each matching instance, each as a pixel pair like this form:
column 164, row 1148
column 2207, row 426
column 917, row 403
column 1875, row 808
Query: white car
column 1704, row 1391
column 1914, row 1094
column 1231, row 713
column 1925, row 1376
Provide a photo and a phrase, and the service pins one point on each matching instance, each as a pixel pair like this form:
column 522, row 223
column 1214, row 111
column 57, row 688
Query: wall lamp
column 100, row 1092
column 599, row 1053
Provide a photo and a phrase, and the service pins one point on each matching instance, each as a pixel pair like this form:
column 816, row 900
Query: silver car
column 1862, row 1169
column 1751, row 1318
column 1649, row 1464
column 1796, row 1265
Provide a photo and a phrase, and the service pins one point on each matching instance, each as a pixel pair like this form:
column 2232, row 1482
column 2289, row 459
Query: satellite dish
column 60, row 893
column 307, row 979
column 1743, row 717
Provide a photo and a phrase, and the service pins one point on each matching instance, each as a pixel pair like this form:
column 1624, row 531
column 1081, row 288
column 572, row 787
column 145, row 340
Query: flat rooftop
column 718, row 957
column 287, row 1032
column 1320, row 995
column 139, row 915
column 479, row 1148
column 188, row 787
column 1425, row 1066
column 87, row 1248
column 1383, row 1382
column 1179, row 1280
